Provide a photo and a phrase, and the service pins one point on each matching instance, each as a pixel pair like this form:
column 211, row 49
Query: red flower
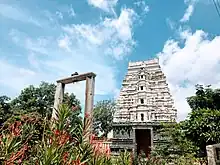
column 87, row 115
column 15, row 128
column 64, row 138
column 20, row 154
column 57, row 132
column 76, row 162
column 92, row 138
column 65, row 156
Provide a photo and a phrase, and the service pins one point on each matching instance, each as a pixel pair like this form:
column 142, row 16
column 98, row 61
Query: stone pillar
column 152, row 138
column 134, row 141
column 58, row 98
column 212, row 155
column 90, row 87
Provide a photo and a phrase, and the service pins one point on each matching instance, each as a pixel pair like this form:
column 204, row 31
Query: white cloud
column 146, row 9
column 72, row 12
column 114, row 35
column 64, row 43
column 190, row 9
column 105, row 5
column 122, row 25
column 196, row 62
column 59, row 15
column 15, row 77
column 188, row 13
column 38, row 45
column 142, row 4
column 33, row 60
column 170, row 23
column 17, row 14
column 76, row 47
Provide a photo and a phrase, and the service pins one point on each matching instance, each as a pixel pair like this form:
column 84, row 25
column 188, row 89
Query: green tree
column 172, row 142
column 203, row 128
column 205, row 97
column 103, row 116
column 40, row 99
column 5, row 111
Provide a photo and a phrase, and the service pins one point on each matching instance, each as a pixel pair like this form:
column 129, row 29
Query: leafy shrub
column 31, row 139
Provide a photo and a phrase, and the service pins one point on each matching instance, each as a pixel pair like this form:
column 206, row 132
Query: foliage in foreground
column 30, row 139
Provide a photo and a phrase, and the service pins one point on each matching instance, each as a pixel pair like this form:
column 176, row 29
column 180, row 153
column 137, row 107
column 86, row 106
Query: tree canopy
column 34, row 99
column 103, row 116
column 202, row 126
column 172, row 142
column 5, row 111
column 205, row 97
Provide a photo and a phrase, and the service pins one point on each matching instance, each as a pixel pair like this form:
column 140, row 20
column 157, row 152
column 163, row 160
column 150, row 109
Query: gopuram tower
column 144, row 102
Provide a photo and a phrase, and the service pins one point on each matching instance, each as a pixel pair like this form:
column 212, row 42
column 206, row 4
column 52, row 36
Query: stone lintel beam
column 76, row 78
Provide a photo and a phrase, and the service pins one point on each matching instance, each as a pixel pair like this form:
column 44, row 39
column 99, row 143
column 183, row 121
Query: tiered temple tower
column 144, row 102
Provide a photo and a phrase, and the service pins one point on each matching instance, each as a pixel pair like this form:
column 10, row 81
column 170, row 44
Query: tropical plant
column 32, row 138
column 29, row 139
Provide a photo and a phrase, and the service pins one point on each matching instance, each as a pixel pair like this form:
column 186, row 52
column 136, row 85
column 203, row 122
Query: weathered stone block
column 213, row 154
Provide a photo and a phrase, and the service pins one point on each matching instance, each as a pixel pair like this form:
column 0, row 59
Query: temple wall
column 143, row 102
column 121, row 133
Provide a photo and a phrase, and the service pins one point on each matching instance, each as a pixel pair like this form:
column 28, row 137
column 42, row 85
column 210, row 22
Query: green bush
column 31, row 139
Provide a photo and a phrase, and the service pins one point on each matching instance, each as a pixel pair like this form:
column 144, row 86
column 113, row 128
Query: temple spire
column 145, row 96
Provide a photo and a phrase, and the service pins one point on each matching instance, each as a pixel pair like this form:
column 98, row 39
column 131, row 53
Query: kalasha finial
column 74, row 74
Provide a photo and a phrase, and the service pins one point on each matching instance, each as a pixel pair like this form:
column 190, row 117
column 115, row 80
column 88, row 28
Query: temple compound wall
column 144, row 102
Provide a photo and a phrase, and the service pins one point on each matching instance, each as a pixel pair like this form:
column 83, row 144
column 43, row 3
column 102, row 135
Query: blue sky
column 47, row 40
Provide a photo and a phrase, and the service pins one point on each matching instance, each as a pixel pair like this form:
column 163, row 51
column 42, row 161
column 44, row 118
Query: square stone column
column 89, row 95
column 89, row 98
column 213, row 154
column 58, row 98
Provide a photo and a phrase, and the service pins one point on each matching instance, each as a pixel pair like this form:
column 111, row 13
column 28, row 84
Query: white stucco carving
column 145, row 96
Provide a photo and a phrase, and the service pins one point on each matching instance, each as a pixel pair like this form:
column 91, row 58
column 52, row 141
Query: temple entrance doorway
column 143, row 140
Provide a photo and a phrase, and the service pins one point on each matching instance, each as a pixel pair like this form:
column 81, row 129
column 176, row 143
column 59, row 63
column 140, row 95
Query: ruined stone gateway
column 144, row 102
